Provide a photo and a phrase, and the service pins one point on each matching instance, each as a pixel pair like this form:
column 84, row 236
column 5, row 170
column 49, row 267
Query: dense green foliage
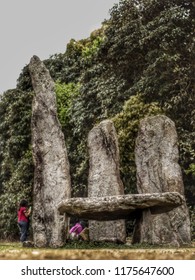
column 140, row 62
column 16, row 169
column 127, row 124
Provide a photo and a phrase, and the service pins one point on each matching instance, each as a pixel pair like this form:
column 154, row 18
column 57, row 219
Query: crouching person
column 78, row 231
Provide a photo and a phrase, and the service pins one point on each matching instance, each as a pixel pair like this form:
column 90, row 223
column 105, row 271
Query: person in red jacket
column 23, row 219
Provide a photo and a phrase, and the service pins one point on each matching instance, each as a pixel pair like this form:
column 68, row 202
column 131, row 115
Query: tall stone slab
column 52, row 178
column 158, row 171
column 104, row 179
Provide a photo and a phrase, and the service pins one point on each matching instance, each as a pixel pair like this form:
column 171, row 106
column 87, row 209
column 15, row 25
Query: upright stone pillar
column 158, row 171
column 104, row 179
column 51, row 177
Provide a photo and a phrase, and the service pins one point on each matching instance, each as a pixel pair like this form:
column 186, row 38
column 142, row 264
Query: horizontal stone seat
column 119, row 206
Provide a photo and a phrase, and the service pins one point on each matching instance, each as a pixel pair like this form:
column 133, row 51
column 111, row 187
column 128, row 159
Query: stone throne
column 164, row 215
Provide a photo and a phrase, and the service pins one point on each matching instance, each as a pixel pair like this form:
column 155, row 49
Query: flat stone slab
column 119, row 206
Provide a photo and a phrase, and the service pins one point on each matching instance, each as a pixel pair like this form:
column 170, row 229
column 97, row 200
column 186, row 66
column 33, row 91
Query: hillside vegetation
column 140, row 62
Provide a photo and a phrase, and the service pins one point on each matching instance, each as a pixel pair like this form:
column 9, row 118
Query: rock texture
column 158, row 170
column 104, row 179
column 51, row 179
column 120, row 206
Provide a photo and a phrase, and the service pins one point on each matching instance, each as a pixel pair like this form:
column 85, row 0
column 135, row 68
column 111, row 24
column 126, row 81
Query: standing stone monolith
column 51, row 174
column 104, row 179
column 157, row 155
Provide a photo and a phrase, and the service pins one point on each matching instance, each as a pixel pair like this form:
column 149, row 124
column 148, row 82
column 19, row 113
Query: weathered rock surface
column 104, row 179
column 119, row 207
column 51, row 179
column 158, row 170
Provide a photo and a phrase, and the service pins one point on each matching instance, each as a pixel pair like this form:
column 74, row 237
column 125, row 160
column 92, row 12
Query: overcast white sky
column 43, row 28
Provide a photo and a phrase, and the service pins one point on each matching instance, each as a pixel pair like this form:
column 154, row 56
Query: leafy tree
column 16, row 170
column 127, row 124
column 168, row 76
column 65, row 94
column 141, row 51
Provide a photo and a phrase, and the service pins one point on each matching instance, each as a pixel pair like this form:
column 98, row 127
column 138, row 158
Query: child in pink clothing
column 76, row 230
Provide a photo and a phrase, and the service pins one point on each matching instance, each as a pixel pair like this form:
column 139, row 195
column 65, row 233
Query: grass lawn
column 91, row 251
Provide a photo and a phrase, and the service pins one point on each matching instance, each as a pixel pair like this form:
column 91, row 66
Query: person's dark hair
column 23, row 203
column 82, row 223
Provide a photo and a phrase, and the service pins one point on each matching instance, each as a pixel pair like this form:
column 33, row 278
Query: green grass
column 9, row 245
column 5, row 245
